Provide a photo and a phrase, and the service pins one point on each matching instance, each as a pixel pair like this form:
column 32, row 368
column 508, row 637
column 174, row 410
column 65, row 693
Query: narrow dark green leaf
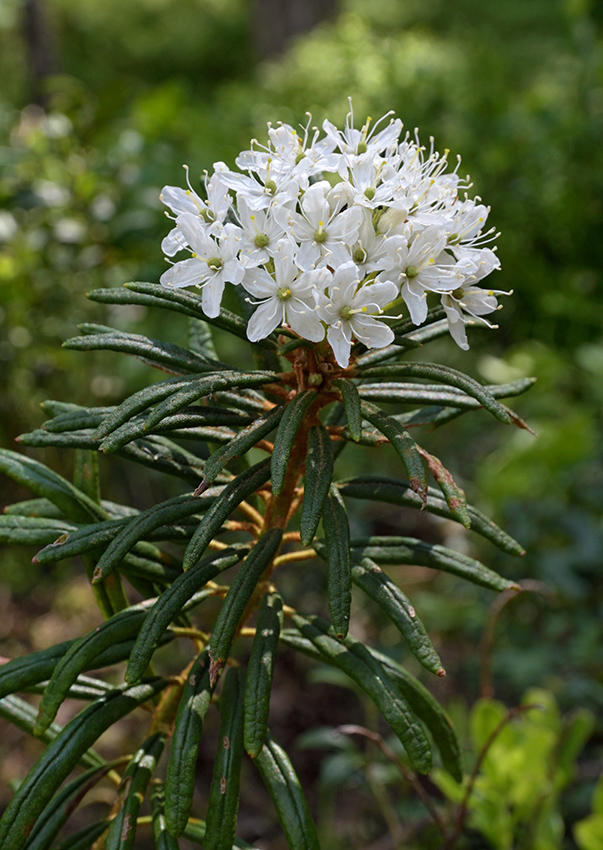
column 161, row 837
column 260, row 670
column 57, row 812
column 454, row 495
column 319, row 472
column 403, row 443
column 239, row 489
column 287, row 795
column 23, row 715
column 59, row 759
column 200, row 338
column 294, row 414
column 22, row 673
column 32, row 531
column 43, row 508
column 351, row 401
column 431, row 713
column 188, row 726
column 163, row 355
column 400, row 493
column 134, row 783
column 239, row 594
column 203, row 387
column 339, row 576
column 418, row 697
column 144, row 524
column 407, row 550
column 171, row 602
column 239, row 445
column 386, row 593
column 354, row 658
column 80, row 656
column 178, row 297
column 140, row 401
column 444, row 375
column 42, row 481
column 221, row 820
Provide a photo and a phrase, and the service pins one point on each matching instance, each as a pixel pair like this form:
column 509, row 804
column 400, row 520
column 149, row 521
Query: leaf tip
column 441, row 673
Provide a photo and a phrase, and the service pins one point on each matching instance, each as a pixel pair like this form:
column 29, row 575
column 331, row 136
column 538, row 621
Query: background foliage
column 516, row 87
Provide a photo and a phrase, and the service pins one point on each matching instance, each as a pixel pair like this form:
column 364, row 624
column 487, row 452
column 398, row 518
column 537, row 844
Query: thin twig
column 353, row 729
column 300, row 555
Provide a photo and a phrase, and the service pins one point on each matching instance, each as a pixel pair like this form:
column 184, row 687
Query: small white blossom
column 350, row 311
column 285, row 297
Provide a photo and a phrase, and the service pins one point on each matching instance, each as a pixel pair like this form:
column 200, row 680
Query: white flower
column 321, row 232
column 270, row 188
column 286, row 297
column 180, row 201
column 350, row 312
column 412, row 264
column 260, row 234
column 474, row 301
column 212, row 265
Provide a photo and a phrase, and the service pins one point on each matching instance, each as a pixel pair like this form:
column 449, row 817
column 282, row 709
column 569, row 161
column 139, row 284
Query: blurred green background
column 102, row 102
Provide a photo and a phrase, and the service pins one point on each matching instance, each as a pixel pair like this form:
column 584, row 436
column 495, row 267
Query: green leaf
column 444, row 375
column 163, row 355
column 134, row 783
column 23, row 673
column 351, row 401
column 295, row 413
column 172, row 298
column 454, row 495
column 319, row 472
column 429, row 711
column 239, row 489
column 239, row 594
column 141, row 526
column 57, row 812
column 62, row 755
column 403, row 443
column 408, row 550
column 42, row 481
column 195, row 831
column 287, row 795
column 260, row 670
column 221, row 820
column 161, row 837
column 239, row 445
column 171, row 602
column 188, row 726
column 339, row 576
column 395, row 492
column 32, row 531
column 81, row 654
column 200, row 338
column 382, row 590
column 354, row 658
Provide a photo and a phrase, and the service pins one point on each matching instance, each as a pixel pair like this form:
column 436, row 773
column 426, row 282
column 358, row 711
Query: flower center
column 362, row 147
column 261, row 240
column 412, row 271
column 270, row 186
column 283, row 293
column 360, row 255
column 369, row 192
column 215, row 263
column 458, row 293
column 207, row 215
column 347, row 312
column 454, row 239
column 320, row 235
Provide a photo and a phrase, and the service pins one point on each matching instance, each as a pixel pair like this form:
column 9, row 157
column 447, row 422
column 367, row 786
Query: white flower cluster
column 327, row 233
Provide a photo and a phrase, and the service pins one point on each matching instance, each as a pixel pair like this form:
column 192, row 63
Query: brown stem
column 487, row 642
column 352, row 729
